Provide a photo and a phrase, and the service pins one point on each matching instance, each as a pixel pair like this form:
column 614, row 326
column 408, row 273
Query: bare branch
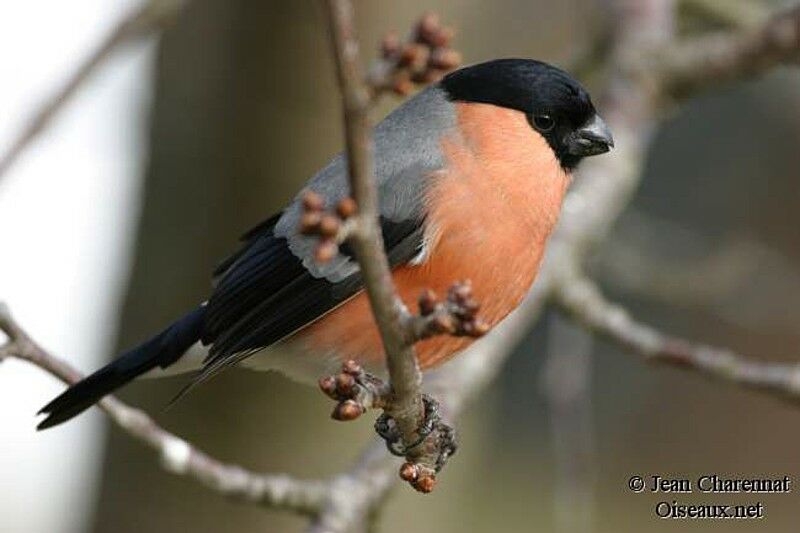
column 635, row 260
column 367, row 241
column 736, row 14
column 634, row 110
column 177, row 456
column 358, row 493
column 411, row 418
column 690, row 67
column 153, row 15
column 338, row 504
column 581, row 299
column 739, row 279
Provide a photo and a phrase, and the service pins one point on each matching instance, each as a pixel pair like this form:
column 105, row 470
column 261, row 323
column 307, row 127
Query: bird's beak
column 592, row 138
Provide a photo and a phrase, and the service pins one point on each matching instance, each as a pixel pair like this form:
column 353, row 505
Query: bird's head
column 556, row 105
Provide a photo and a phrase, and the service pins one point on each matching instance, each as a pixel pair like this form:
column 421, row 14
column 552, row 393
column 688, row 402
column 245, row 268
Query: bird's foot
column 426, row 456
column 355, row 391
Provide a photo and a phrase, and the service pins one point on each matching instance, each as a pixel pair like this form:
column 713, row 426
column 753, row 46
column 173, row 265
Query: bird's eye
column 543, row 123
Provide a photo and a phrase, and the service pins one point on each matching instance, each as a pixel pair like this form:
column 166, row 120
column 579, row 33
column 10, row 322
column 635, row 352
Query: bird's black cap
column 555, row 103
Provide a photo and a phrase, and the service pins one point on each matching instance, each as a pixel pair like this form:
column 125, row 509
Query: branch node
column 355, row 391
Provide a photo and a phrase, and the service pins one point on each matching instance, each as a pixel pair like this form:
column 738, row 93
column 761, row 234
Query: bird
column 471, row 174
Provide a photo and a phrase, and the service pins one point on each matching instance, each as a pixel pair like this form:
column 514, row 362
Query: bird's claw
column 386, row 427
column 355, row 391
column 426, row 456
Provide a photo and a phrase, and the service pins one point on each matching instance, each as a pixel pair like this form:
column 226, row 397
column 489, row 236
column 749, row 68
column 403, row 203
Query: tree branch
column 336, row 505
column 410, row 423
column 687, row 68
column 736, row 14
column 152, row 16
column 177, row 456
column 634, row 106
column 391, row 315
column 578, row 296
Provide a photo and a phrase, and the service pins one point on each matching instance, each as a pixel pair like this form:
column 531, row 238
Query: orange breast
column 490, row 212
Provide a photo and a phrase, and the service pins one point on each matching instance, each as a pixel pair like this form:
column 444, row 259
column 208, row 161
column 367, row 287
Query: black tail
column 162, row 350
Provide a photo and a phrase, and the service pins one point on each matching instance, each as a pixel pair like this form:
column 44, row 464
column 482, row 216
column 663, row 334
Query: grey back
column 407, row 151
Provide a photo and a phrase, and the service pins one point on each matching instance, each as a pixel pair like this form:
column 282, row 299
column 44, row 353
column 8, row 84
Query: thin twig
column 360, row 492
column 337, row 505
column 177, row 456
column 391, row 316
column 153, row 15
column 410, row 422
column 634, row 108
column 735, row 14
column 581, row 298
column 685, row 69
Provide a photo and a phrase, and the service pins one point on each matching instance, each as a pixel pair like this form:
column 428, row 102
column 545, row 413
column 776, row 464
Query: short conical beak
column 592, row 138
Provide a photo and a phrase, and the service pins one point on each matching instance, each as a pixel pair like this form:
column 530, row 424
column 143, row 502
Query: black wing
column 264, row 293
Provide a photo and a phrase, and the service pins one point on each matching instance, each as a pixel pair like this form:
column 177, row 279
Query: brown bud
column 347, row 410
column 406, row 56
column 325, row 251
column 352, row 368
column 313, row 201
column 427, row 27
column 408, row 472
column 329, row 226
column 420, row 59
column 345, row 383
column 445, row 59
column 402, row 86
column 309, row 222
column 425, row 484
column 328, row 386
column 427, row 302
column 413, row 55
column 441, row 37
column 346, row 208
column 390, row 44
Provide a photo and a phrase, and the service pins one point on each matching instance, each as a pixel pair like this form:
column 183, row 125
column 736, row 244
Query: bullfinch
column 471, row 174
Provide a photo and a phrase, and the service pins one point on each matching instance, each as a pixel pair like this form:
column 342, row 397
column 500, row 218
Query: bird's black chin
column 593, row 138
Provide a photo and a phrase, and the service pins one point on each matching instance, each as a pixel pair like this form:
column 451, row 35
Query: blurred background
column 112, row 220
